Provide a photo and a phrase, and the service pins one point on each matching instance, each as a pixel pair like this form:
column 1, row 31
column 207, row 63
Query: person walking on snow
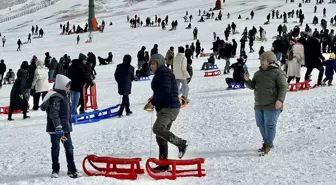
column 29, row 38
column 19, row 43
column 181, row 73
column 90, row 37
column 3, row 41
column 78, row 39
column 166, row 102
column 270, row 88
column 57, row 106
column 195, row 32
column 124, row 75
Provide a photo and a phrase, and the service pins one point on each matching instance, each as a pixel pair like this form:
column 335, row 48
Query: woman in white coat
column 40, row 83
column 181, row 73
column 295, row 61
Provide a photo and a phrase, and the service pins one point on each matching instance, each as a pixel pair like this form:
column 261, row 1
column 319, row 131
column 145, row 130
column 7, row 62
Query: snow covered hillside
column 218, row 123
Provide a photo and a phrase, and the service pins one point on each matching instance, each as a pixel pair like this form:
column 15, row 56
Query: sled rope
column 151, row 136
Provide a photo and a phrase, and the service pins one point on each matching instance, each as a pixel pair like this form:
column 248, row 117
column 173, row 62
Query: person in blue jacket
column 166, row 102
column 330, row 68
column 211, row 62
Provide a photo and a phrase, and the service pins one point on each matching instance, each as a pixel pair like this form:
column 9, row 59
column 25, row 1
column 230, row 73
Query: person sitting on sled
column 238, row 73
column 211, row 62
column 10, row 77
column 144, row 71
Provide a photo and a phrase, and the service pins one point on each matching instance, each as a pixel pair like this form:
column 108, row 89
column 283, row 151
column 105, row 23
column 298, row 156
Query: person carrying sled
column 57, row 106
column 124, row 75
column 166, row 102
column 270, row 88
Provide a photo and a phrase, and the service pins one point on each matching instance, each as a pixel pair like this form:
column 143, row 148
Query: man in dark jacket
column 313, row 57
column 92, row 61
column 52, row 68
column 234, row 47
column 30, row 77
column 278, row 48
column 59, row 68
column 166, row 102
column 227, row 55
column 141, row 57
column 57, row 105
column 238, row 73
column 79, row 76
column 2, row 71
column 47, row 60
column 198, row 48
column 18, row 99
column 124, row 75
column 155, row 50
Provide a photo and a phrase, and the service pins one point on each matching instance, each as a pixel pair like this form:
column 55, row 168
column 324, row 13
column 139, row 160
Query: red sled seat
column 301, row 86
column 111, row 169
column 212, row 73
column 174, row 172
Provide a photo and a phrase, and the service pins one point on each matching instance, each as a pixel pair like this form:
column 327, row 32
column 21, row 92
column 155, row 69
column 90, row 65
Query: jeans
column 55, row 148
column 184, row 89
column 161, row 127
column 124, row 104
column 74, row 101
column 28, row 94
column 278, row 56
column 266, row 121
column 51, row 74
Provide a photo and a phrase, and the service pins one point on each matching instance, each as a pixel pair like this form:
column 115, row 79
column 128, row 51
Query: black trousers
column 1, row 78
column 320, row 76
column 124, row 104
column 24, row 110
column 290, row 78
column 36, row 98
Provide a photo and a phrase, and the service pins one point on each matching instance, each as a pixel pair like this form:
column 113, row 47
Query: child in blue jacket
column 330, row 68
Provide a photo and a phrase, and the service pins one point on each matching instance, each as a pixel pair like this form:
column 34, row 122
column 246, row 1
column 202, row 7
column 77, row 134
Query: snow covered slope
column 219, row 124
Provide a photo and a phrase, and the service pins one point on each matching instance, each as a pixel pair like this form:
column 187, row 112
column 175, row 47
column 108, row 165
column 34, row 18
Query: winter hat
column 61, row 82
column 39, row 63
column 159, row 59
column 82, row 57
column 24, row 65
column 269, row 56
column 127, row 59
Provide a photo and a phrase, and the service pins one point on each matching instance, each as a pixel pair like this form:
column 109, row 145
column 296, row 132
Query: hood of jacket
column 45, row 102
column 61, row 82
column 39, row 63
column 159, row 59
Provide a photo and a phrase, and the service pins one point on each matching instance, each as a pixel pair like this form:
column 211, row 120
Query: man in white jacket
column 181, row 73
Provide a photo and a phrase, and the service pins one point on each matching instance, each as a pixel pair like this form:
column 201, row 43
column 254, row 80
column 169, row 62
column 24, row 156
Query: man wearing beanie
column 166, row 102
column 124, row 75
column 270, row 88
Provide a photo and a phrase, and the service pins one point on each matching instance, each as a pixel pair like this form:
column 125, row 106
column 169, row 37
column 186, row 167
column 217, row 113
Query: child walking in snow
column 57, row 105
column 330, row 68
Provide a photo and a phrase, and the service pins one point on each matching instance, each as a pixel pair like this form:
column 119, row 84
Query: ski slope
column 219, row 124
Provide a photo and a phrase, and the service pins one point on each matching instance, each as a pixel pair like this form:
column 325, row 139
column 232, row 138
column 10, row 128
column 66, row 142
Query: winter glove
column 59, row 131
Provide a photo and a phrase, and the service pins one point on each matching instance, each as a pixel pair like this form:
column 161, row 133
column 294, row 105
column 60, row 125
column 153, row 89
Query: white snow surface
column 219, row 124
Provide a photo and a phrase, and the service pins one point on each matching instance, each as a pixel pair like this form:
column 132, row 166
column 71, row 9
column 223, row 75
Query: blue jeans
column 51, row 74
column 266, row 121
column 28, row 93
column 55, row 148
column 74, row 101
column 278, row 56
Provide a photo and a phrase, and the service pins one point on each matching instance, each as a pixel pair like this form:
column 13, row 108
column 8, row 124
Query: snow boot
column 263, row 148
column 182, row 148
column 162, row 168
column 73, row 174
column 54, row 174
column 129, row 113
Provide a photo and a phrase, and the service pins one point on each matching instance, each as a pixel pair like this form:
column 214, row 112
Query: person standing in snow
column 29, row 38
column 154, row 50
column 195, row 32
column 181, row 73
column 57, row 106
column 170, row 57
column 90, row 37
column 18, row 99
column 2, row 71
column 3, row 41
column 270, row 88
column 252, row 14
column 40, row 83
column 141, row 57
column 166, row 102
column 198, row 48
column 78, row 39
column 124, row 75
column 19, row 43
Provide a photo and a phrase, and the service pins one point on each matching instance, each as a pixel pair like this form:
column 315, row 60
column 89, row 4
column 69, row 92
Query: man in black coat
column 234, row 47
column 30, row 77
column 79, row 76
column 141, row 57
column 124, row 75
column 313, row 57
column 166, row 102
column 2, row 71
column 227, row 55
column 198, row 48
column 154, row 50
column 18, row 99
column 92, row 61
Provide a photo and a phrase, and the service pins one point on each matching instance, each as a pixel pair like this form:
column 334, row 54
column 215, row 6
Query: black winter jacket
column 141, row 55
column 57, row 105
column 165, row 89
column 2, row 68
column 313, row 55
column 124, row 75
column 79, row 76
column 18, row 96
column 278, row 46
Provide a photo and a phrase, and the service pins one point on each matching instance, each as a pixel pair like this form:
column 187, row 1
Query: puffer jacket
column 40, row 81
column 17, row 96
column 269, row 86
column 180, row 67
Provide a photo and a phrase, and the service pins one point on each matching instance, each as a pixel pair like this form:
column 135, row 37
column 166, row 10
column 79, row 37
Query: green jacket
column 269, row 86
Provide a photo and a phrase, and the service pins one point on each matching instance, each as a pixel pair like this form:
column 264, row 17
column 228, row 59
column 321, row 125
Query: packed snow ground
column 219, row 124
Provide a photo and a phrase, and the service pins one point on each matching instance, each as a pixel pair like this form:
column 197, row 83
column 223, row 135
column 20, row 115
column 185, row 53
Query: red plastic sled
column 174, row 172
column 5, row 110
column 301, row 86
column 93, row 97
column 111, row 169
column 212, row 73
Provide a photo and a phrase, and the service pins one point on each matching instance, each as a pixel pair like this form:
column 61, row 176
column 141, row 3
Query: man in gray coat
column 270, row 88
column 57, row 105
